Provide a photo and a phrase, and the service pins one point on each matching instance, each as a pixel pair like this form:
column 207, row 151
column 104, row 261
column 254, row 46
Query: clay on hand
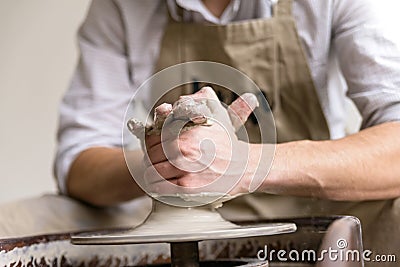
column 194, row 109
column 168, row 160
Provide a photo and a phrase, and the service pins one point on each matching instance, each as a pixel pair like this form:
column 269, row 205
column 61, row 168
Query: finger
column 137, row 128
column 152, row 140
column 204, row 92
column 165, row 187
column 241, row 109
column 155, row 183
column 192, row 181
column 151, row 176
column 192, row 107
column 164, row 151
column 156, row 154
column 158, row 178
column 160, row 114
column 167, row 170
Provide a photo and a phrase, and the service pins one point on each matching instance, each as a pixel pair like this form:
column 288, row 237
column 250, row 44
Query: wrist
column 260, row 157
column 293, row 171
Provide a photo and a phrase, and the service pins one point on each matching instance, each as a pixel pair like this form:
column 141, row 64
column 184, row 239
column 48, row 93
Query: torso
column 314, row 34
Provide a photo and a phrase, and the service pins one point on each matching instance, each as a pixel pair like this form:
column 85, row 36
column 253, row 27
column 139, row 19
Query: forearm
column 100, row 177
column 363, row 166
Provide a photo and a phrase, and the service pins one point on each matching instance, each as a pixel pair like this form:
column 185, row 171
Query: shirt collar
column 194, row 10
column 198, row 7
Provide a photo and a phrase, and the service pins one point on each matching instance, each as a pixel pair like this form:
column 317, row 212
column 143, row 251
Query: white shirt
column 120, row 41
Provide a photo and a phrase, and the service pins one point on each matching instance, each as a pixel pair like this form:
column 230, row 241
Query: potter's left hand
column 210, row 154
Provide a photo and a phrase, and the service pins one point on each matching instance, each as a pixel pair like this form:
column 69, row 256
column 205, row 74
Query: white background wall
column 37, row 57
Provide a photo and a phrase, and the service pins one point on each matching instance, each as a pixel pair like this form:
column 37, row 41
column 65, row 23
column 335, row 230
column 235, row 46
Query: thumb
column 241, row 108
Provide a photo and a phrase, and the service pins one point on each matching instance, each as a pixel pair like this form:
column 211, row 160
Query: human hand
column 203, row 158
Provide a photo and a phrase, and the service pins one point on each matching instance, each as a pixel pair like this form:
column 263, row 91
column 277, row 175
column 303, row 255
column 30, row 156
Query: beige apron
column 266, row 50
column 270, row 53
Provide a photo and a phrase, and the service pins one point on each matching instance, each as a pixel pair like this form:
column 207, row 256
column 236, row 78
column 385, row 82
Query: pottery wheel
column 168, row 224
column 183, row 228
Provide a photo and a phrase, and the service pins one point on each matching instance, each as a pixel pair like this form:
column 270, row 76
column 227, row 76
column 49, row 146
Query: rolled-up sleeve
column 92, row 110
column 368, row 51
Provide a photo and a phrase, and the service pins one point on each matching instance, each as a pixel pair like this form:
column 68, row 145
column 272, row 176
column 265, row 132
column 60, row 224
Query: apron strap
column 178, row 12
column 283, row 8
